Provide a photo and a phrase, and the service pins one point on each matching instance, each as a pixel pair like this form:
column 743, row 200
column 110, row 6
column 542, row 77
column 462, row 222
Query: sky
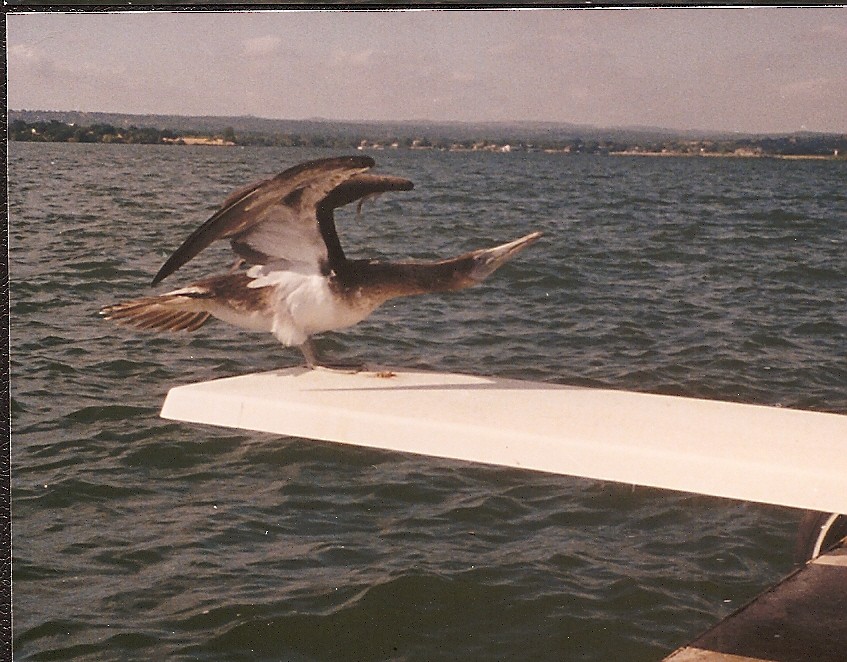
column 752, row 70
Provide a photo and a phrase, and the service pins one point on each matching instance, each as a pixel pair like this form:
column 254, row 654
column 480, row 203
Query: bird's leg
column 237, row 265
column 311, row 355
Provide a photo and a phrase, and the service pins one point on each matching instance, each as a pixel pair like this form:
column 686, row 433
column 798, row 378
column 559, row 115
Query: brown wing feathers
column 358, row 187
column 245, row 207
column 361, row 186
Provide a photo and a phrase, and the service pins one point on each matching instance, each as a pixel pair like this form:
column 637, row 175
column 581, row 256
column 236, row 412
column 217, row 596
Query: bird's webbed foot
column 313, row 362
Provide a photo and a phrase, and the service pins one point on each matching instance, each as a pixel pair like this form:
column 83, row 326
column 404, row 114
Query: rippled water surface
column 139, row 538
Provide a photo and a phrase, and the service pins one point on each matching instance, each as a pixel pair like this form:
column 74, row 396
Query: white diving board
column 769, row 455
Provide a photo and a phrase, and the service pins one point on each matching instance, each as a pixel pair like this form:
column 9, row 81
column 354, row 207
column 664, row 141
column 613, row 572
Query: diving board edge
column 770, row 455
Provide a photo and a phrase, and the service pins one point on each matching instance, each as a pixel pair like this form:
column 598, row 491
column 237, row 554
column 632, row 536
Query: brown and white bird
column 300, row 283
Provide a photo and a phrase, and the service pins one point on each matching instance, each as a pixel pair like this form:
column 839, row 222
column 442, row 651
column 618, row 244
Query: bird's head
column 480, row 264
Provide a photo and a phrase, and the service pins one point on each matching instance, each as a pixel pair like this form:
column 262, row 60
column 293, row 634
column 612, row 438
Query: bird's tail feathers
column 167, row 312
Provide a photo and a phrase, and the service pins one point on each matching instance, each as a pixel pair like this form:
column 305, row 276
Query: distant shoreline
column 199, row 140
column 715, row 155
column 38, row 127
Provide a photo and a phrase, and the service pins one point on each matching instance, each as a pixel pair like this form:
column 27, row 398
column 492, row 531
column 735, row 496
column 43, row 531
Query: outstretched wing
column 358, row 187
column 300, row 232
column 289, row 217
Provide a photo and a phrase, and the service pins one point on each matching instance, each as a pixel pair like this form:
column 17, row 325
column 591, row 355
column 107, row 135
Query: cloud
column 833, row 31
column 24, row 52
column 358, row 58
column 261, row 46
column 806, row 88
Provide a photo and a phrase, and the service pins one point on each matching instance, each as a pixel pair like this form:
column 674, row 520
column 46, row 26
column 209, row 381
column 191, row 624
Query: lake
column 140, row 538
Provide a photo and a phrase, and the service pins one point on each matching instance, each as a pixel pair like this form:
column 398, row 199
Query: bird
column 291, row 277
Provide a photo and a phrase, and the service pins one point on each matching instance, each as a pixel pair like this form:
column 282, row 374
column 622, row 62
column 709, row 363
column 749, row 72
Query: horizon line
column 642, row 128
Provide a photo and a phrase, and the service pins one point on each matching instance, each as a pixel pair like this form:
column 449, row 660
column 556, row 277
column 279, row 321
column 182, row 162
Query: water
column 138, row 538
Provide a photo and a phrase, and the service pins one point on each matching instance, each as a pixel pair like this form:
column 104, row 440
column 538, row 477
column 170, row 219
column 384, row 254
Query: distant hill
column 247, row 124
column 78, row 126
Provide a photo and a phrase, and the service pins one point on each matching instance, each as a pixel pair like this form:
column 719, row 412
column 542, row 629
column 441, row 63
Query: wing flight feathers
column 255, row 204
column 361, row 186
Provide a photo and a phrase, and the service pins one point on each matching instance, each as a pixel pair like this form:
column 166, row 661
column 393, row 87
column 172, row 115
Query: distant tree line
column 331, row 137
column 55, row 131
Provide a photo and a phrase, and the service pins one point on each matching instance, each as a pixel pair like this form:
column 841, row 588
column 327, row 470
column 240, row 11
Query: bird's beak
column 488, row 260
